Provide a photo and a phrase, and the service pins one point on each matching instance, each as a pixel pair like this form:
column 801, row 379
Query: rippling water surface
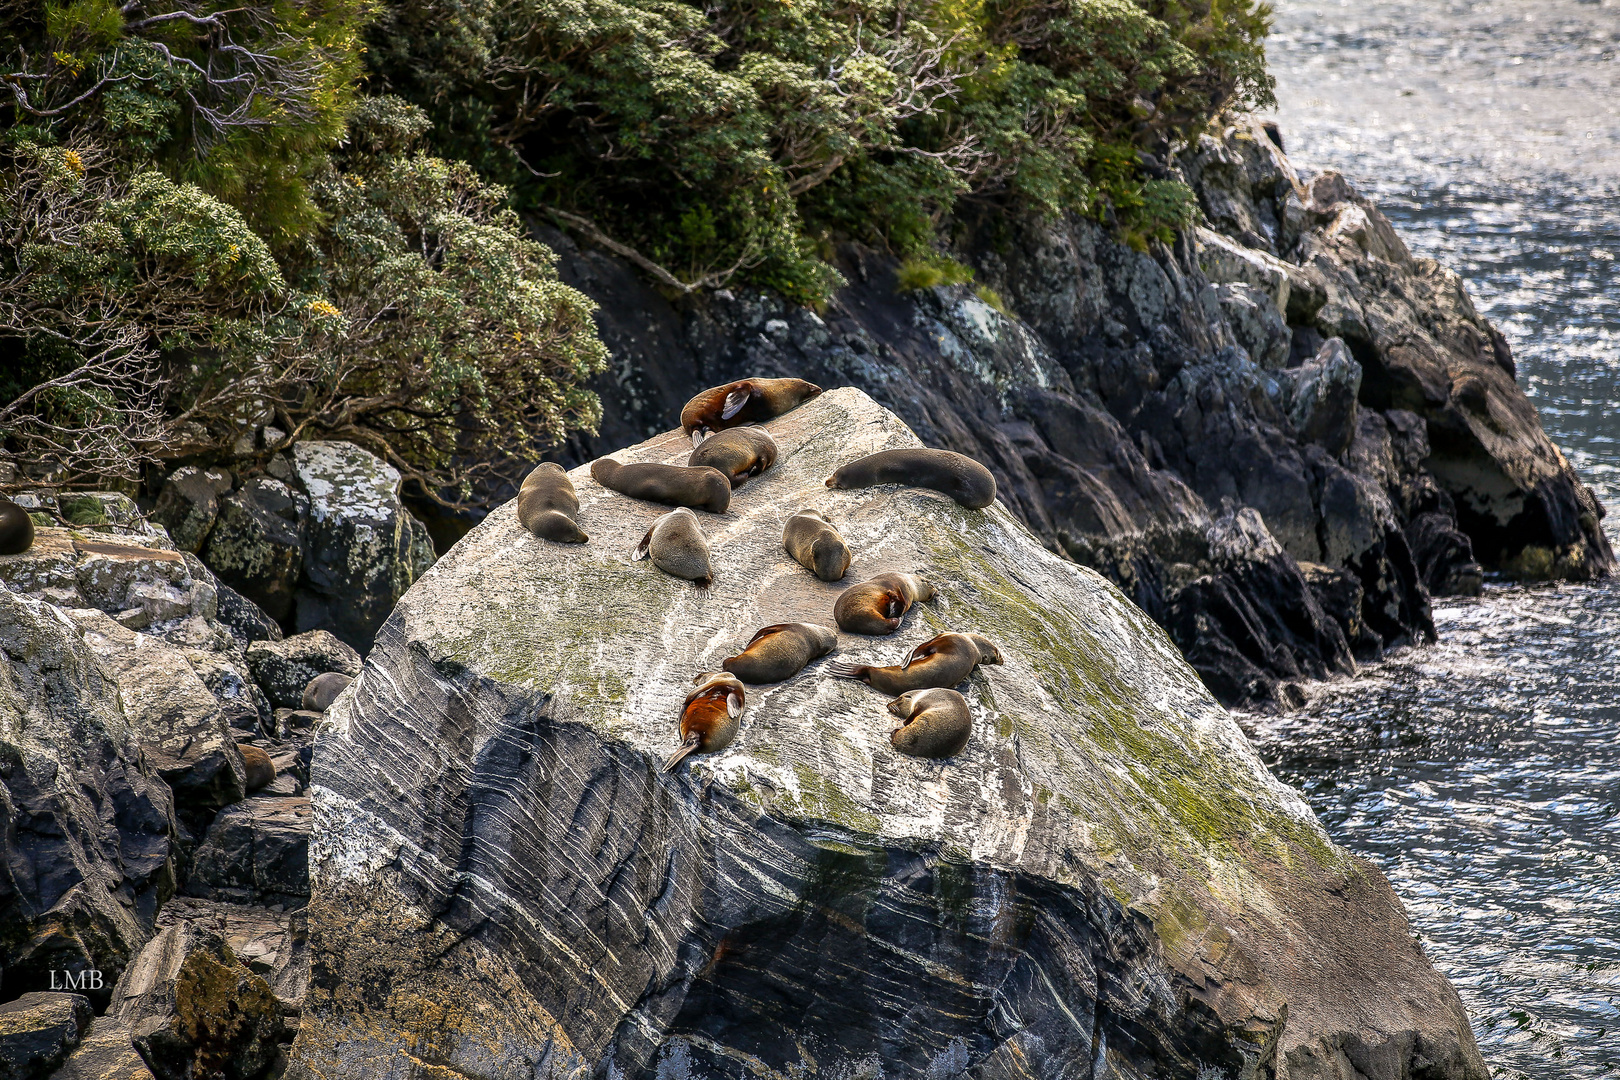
column 1483, row 774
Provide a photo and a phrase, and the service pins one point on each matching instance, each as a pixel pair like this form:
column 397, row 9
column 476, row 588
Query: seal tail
column 687, row 747
column 846, row 671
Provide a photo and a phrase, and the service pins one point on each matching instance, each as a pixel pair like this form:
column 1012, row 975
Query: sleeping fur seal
column 780, row 652
column 876, row 606
column 710, row 716
column 945, row 471
column 745, row 401
column 940, row 661
column 673, row 485
column 816, row 545
column 547, row 505
column 937, row 723
column 738, row 452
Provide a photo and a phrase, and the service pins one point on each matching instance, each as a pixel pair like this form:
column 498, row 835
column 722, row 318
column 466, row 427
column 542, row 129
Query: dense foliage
column 744, row 135
column 212, row 243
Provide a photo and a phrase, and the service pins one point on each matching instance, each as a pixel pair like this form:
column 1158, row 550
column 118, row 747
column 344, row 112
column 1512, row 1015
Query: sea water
column 1482, row 774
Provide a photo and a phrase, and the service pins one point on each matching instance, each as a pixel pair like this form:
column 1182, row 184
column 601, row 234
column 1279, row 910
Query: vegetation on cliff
column 226, row 228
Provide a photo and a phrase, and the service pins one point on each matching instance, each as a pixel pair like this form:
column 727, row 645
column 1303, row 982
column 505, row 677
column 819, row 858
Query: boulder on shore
column 1107, row 881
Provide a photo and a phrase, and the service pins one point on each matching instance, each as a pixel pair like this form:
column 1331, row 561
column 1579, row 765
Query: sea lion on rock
column 944, row 471
column 876, row 605
column 547, row 505
column 938, row 662
column 710, row 716
column 16, row 528
column 816, row 545
column 261, row 771
column 743, row 402
column 673, row 485
column 780, row 652
column 676, row 546
column 323, row 689
column 738, row 453
column 937, row 723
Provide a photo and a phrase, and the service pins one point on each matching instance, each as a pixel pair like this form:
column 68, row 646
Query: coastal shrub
column 926, row 272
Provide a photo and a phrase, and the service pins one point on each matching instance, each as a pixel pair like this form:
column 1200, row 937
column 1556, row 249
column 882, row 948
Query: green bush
column 926, row 272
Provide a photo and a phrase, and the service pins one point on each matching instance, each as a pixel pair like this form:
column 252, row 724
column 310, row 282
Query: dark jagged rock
column 256, row 546
column 38, row 1031
column 1106, row 881
column 246, row 620
column 284, row 668
column 256, row 852
column 88, row 838
column 188, row 505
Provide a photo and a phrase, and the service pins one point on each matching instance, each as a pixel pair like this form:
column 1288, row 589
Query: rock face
column 1106, row 882
column 1128, row 398
column 284, row 668
column 89, row 837
column 318, row 539
column 38, row 1031
column 256, row 852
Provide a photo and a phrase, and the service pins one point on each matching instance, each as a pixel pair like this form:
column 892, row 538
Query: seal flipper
column 698, row 435
column 846, row 671
column 687, row 747
column 734, row 403
column 764, row 632
column 734, row 704
column 894, row 607
column 644, row 549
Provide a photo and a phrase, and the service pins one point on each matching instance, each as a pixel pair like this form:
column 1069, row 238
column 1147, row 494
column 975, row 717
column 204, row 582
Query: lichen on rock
column 504, row 883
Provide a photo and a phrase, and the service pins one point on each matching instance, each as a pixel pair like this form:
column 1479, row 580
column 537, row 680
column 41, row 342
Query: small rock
column 37, row 1031
column 255, row 852
column 1258, row 325
column 105, row 1053
column 284, row 668
column 291, row 722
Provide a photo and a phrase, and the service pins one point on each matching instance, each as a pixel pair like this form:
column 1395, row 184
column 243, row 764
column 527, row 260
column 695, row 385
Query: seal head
column 944, row 471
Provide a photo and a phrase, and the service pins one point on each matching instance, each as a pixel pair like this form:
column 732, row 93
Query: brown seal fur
column 16, row 528
column 945, row 471
column 937, row 723
column 323, row 689
column 673, row 485
column 675, row 544
column 940, row 661
column 739, row 453
column 816, row 545
column 260, row 769
column 547, row 505
column 710, row 716
column 780, row 652
column 746, row 401
column 876, row 605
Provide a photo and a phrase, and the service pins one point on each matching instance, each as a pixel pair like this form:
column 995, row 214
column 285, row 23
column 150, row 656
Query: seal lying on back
column 876, row 606
column 944, row 471
column 710, row 716
column 746, row 401
column 676, row 546
column 547, row 505
column 780, row 652
column 738, row 453
column 937, row 723
column 816, row 545
column 940, row 661
column 16, row 528
column 673, row 485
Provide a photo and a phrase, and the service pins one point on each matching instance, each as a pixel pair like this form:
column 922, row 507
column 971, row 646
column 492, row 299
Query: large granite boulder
column 87, row 830
column 257, row 545
column 1107, row 881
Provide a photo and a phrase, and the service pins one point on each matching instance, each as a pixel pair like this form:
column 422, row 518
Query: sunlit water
column 1483, row 774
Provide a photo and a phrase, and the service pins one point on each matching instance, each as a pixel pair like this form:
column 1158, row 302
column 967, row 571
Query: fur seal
column 937, row 723
column 816, row 545
column 673, row 485
column 676, row 546
column 945, row 471
column 738, row 452
column 709, row 717
column 260, row 769
column 547, row 505
column 876, row 605
column 742, row 402
column 940, row 661
column 323, row 689
column 780, row 652
column 16, row 528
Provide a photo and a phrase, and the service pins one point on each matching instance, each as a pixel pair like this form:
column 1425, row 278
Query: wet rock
column 256, row 852
column 1322, row 397
column 1107, row 880
column 177, row 720
column 88, row 838
column 1340, row 596
column 38, row 1031
column 284, row 668
column 188, row 504
column 363, row 548
column 193, row 1008
column 104, row 1053
column 256, row 546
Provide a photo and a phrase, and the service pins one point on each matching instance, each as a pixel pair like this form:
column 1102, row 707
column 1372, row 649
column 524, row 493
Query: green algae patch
column 820, row 798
